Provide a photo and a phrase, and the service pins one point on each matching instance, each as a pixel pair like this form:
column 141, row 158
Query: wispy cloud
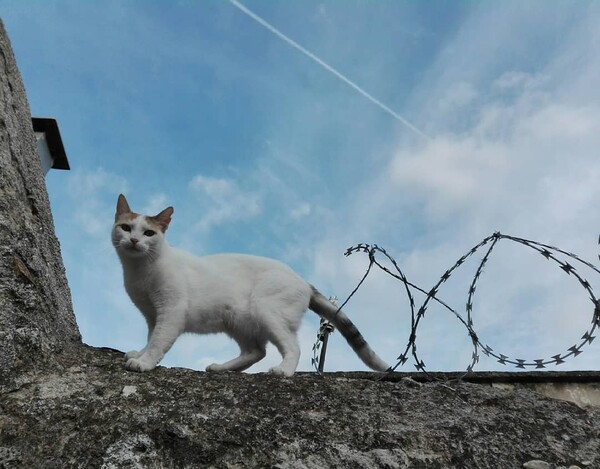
column 156, row 204
column 90, row 188
column 222, row 200
column 301, row 211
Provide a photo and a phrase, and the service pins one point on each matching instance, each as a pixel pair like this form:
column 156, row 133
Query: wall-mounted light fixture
column 49, row 144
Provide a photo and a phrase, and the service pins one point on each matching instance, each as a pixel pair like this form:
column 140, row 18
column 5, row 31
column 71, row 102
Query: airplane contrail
column 329, row 68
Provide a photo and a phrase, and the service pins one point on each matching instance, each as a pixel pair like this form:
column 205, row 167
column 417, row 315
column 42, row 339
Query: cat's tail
column 324, row 308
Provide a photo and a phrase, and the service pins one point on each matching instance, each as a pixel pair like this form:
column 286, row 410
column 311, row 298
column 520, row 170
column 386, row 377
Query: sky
column 295, row 130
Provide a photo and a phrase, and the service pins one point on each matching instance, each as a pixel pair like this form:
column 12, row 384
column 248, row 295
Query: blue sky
column 262, row 150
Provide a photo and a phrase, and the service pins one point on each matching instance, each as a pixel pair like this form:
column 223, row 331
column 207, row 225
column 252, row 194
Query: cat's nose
column 134, row 241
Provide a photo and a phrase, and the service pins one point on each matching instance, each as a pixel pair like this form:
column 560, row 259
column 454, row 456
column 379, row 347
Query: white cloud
column 156, row 204
column 90, row 189
column 518, row 80
column 457, row 96
column 301, row 211
column 526, row 162
column 89, row 182
column 223, row 201
column 449, row 172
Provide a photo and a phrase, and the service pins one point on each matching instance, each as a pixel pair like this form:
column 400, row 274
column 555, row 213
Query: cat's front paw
column 132, row 354
column 139, row 364
column 215, row 367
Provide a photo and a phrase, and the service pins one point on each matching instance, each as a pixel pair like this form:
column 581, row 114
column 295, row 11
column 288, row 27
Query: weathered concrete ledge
column 86, row 410
column 579, row 387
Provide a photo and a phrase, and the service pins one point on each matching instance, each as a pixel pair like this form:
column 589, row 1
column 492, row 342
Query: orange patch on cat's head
column 154, row 225
column 159, row 222
column 126, row 217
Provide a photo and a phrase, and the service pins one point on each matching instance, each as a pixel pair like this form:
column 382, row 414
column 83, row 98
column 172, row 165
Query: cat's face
column 138, row 236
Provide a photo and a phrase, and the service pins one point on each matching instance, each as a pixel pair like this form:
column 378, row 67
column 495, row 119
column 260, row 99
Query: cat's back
column 240, row 280
column 245, row 263
column 240, row 271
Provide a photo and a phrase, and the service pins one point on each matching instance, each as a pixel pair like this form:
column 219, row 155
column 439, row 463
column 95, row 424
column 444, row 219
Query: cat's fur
column 252, row 299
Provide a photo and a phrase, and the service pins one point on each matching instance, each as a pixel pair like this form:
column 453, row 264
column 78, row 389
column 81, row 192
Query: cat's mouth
column 133, row 249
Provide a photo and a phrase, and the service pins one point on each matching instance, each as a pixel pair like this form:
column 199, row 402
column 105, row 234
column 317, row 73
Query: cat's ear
column 122, row 207
column 164, row 218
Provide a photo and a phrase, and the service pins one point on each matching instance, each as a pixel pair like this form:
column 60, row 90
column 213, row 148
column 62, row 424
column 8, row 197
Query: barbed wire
column 417, row 314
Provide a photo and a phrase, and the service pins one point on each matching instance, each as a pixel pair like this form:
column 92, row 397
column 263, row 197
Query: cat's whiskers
column 151, row 255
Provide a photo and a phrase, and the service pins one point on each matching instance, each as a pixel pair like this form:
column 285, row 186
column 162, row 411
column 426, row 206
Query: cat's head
column 139, row 236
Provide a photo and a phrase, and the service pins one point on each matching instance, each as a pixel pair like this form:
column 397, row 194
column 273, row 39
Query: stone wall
column 89, row 412
column 36, row 316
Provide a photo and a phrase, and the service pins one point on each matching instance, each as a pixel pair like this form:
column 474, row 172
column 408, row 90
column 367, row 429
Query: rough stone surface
column 36, row 316
column 87, row 411
column 63, row 404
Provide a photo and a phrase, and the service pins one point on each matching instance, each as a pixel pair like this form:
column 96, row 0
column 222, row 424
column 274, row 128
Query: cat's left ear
column 164, row 218
column 122, row 207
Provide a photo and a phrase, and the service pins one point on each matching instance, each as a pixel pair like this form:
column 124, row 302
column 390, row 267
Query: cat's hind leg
column 281, row 315
column 249, row 355
column 287, row 343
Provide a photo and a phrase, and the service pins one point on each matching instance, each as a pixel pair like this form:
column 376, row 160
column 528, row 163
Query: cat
column 252, row 299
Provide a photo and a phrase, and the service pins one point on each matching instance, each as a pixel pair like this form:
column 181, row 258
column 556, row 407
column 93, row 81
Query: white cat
column 252, row 299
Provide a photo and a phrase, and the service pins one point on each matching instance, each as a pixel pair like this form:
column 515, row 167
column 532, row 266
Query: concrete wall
column 36, row 315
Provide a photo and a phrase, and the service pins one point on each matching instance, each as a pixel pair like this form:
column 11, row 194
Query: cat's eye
column 125, row 227
column 149, row 233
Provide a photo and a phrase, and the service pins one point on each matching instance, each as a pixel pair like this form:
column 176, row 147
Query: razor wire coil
column 551, row 253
